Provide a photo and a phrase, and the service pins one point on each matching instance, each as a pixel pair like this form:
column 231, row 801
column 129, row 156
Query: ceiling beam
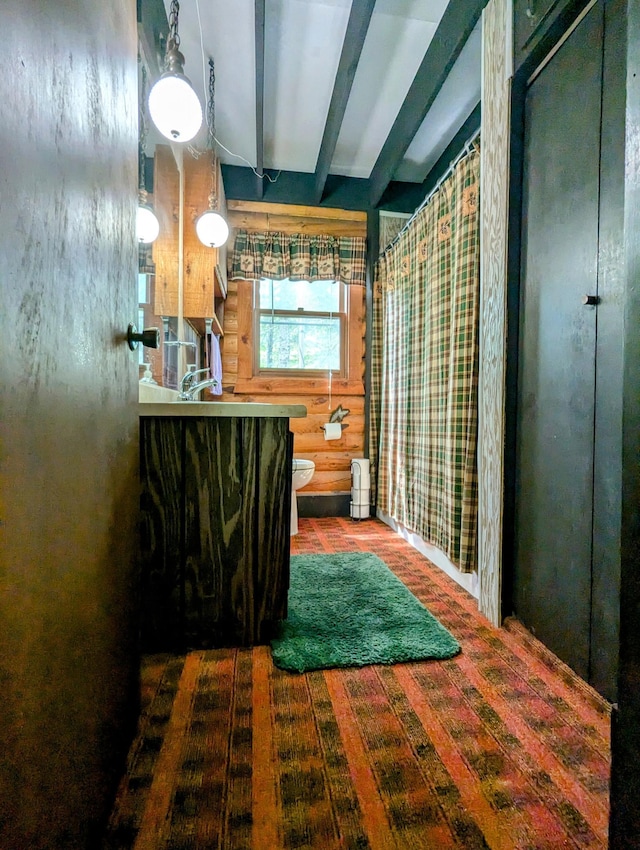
column 290, row 187
column 356, row 32
column 293, row 187
column 259, row 48
column 455, row 27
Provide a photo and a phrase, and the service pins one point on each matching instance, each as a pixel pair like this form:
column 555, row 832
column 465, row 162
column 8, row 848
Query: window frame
column 259, row 371
column 247, row 383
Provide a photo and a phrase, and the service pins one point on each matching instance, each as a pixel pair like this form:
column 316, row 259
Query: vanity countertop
column 222, row 408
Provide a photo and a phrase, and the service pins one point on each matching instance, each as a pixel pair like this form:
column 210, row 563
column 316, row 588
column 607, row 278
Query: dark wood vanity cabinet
column 215, row 523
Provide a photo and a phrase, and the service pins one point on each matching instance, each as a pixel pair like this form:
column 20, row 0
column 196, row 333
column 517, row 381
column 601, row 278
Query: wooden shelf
column 200, row 325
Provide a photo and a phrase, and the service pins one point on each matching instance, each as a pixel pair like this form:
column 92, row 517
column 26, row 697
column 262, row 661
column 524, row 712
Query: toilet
column 301, row 475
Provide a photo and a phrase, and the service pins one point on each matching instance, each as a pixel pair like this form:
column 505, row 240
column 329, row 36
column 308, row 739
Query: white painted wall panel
column 392, row 54
column 303, row 43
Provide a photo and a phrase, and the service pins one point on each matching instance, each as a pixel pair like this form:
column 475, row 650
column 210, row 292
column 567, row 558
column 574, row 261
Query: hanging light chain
column 174, row 38
column 211, row 105
column 147, row 224
column 211, row 125
column 173, row 60
column 211, row 227
column 142, row 133
column 173, row 104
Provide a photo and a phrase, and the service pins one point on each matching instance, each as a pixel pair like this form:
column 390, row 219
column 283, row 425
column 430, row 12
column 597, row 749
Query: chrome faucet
column 188, row 390
column 194, row 390
column 187, row 379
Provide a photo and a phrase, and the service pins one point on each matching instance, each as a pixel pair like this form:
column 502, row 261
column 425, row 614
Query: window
column 253, row 381
column 300, row 327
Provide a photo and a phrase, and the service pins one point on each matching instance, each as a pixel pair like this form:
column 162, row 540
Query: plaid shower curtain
column 424, row 369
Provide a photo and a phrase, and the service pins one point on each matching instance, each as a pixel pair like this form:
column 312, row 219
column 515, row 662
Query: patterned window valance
column 298, row 257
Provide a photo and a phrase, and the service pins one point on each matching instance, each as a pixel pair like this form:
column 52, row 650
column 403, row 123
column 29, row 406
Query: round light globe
column 174, row 108
column 147, row 225
column 212, row 229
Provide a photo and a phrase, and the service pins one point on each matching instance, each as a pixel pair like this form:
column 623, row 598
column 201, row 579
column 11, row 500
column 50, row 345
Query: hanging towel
column 215, row 364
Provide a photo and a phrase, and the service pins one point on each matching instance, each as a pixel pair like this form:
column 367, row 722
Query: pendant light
column 147, row 225
column 173, row 104
column 212, row 229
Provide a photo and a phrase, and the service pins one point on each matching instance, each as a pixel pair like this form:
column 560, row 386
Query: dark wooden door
column 537, row 25
column 557, row 361
column 69, row 662
column 529, row 17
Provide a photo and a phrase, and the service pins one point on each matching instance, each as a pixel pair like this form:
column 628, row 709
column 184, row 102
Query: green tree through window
column 301, row 325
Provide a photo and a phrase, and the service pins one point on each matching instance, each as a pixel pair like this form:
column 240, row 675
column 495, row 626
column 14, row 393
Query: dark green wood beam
column 357, row 27
column 296, row 187
column 455, row 27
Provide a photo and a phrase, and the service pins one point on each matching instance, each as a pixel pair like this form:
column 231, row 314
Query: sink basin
column 222, row 408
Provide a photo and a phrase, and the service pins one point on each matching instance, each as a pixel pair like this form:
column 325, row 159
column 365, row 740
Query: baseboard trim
column 469, row 581
column 335, row 504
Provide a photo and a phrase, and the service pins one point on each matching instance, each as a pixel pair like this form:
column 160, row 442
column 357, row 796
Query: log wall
column 331, row 457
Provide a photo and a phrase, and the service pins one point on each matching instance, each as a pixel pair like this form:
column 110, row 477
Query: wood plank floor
column 500, row 747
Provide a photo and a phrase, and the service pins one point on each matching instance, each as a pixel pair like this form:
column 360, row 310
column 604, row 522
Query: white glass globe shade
column 212, row 229
column 174, row 108
column 147, row 225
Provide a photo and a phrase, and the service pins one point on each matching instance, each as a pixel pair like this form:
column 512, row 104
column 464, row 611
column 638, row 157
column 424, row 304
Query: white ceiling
column 303, row 43
column 455, row 101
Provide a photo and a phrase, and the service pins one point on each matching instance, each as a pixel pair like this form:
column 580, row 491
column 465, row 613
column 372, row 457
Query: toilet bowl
column 302, row 473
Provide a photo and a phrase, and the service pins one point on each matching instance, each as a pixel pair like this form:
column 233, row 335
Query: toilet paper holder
column 333, row 428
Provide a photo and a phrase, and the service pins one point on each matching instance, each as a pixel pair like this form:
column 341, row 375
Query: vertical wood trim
column 373, row 242
column 201, row 179
column 607, row 460
column 494, row 170
column 166, row 203
column 355, row 332
column 245, row 319
column 624, row 831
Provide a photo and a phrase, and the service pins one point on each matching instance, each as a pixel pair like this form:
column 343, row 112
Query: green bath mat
column 348, row 610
